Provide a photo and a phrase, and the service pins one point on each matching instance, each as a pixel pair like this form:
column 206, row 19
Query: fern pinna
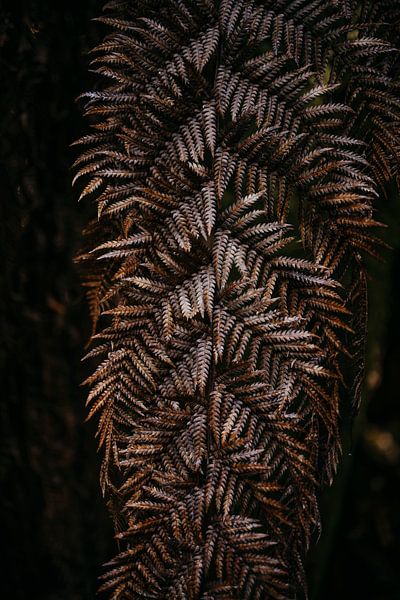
column 236, row 152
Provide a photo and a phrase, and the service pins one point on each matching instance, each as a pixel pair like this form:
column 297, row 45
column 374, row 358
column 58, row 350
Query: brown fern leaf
column 236, row 153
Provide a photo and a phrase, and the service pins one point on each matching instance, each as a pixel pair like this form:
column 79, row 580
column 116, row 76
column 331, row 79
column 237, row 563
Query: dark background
column 54, row 529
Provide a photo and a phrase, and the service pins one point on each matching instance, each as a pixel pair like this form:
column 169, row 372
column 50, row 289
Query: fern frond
column 237, row 150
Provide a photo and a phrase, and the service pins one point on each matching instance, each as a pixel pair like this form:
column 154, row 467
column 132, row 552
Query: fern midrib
column 212, row 374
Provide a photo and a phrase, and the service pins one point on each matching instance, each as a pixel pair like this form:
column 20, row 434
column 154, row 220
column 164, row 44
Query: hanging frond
column 237, row 150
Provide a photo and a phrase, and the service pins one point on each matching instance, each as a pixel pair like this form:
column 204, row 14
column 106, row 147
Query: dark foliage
column 236, row 155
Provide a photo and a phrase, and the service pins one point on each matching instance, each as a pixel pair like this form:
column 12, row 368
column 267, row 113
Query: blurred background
column 55, row 530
